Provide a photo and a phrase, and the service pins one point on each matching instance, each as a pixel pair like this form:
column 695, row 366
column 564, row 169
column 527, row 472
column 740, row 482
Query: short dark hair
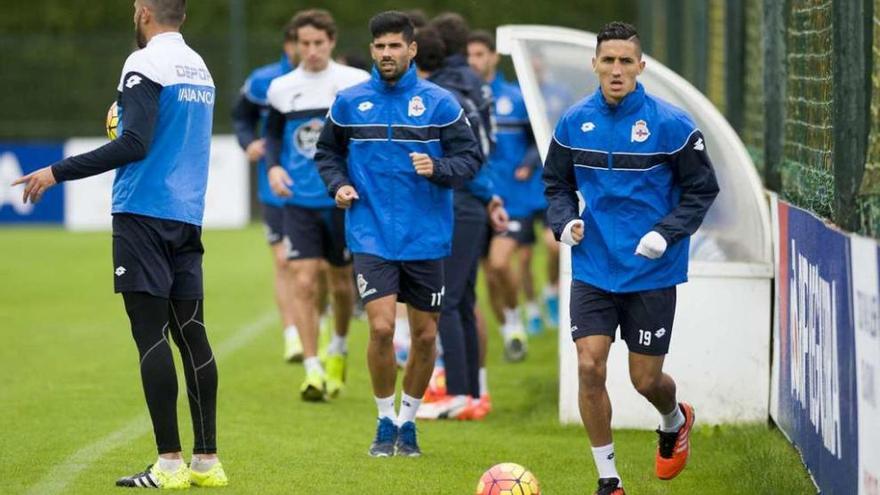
column 483, row 37
column 418, row 17
column 454, row 29
column 432, row 50
column 317, row 18
column 168, row 12
column 392, row 22
column 618, row 30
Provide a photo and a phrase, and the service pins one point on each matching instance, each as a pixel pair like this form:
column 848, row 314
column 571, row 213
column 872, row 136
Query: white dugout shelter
column 720, row 349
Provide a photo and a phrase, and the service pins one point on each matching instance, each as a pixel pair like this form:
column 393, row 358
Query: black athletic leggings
column 152, row 320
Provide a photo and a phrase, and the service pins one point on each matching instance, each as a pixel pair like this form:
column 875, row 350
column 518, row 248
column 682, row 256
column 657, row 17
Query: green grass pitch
column 73, row 416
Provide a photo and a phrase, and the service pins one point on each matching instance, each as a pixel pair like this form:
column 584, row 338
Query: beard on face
column 396, row 71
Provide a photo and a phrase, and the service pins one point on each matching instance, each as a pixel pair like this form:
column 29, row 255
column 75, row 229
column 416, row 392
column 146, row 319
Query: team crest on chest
column 504, row 106
column 640, row 132
column 416, row 107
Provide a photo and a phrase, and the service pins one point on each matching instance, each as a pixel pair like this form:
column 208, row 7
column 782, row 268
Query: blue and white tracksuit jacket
column 640, row 166
column 370, row 131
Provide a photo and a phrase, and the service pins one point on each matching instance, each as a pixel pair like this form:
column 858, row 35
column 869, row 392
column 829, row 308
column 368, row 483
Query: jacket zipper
column 613, row 265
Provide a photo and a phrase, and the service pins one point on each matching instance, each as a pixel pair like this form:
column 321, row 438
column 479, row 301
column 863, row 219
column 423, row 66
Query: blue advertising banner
column 20, row 159
column 817, row 380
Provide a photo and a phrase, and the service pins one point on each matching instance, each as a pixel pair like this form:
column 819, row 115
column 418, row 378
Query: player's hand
column 345, row 196
column 573, row 233
column 652, row 245
column 256, row 150
column 577, row 232
column 523, row 173
column 423, row 164
column 498, row 217
column 280, row 182
column 36, row 183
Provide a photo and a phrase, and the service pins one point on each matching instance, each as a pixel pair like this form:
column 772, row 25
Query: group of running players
column 278, row 120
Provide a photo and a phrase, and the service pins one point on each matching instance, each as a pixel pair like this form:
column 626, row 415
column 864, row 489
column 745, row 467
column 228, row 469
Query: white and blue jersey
column 250, row 115
column 166, row 106
column 366, row 143
column 515, row 148
column 640, row 166
column 298, row 104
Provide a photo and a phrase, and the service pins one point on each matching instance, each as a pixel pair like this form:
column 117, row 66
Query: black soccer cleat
column 609, row 486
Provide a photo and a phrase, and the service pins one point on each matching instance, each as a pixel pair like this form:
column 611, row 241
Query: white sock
column 532, row 310
column 169, row 465
column 408, row 407
column 338, row 345
column 484, row 383
column 604, row 459
column 313, row 363
column 551, row 291
column 202, row 465
column 511, row 317
column 672, row 421
column 386, row 407
column 291, row 332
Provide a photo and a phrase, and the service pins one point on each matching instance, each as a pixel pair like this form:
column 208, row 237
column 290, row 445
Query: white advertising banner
column 866, row 314
column 227, row 206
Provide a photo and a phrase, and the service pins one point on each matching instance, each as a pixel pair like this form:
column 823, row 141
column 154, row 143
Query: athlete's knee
column 382, row 329
column 591, row 371
column 424, row 338
column 304, row 279
column 499, row 265
column 646, row 383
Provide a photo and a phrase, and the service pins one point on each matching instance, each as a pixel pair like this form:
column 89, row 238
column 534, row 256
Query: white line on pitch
column 57, row 479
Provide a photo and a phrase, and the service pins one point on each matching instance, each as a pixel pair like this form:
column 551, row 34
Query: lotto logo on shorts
column 362, row 286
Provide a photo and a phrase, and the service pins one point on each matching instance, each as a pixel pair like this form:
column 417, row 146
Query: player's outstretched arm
column 140, row 102
column 332, row 156
column 699, row 187
column 560, row 188
column 462, row 157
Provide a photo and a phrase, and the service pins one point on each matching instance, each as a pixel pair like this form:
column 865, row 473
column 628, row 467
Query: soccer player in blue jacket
column 166, row 104
column 390, row 153
column 642, row 168
column 249, row 122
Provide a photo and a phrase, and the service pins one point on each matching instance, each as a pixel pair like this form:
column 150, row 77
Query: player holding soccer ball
column 642, row 168
column 166, row 103
column 391, row 151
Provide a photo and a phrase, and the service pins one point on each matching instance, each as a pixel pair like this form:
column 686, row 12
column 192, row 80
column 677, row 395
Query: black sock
column 149, row 316
column 200, row 369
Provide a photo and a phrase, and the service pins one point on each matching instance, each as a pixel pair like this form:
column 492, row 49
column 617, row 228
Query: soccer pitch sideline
column 73, row 416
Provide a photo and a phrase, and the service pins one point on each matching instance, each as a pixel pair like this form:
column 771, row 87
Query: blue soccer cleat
column 407, row 444
column 386, row 437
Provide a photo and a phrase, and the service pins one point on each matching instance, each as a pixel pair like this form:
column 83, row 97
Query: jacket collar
column 629, row 104
column 408, row 80
column 168, row 36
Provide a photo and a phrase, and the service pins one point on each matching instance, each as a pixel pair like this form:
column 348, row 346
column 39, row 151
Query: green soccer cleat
column 153, row 477
column 214, row 477
column 314, row 387
column 336, row 370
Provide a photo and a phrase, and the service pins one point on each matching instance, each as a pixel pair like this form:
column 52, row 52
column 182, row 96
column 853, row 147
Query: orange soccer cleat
column 673, row 448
